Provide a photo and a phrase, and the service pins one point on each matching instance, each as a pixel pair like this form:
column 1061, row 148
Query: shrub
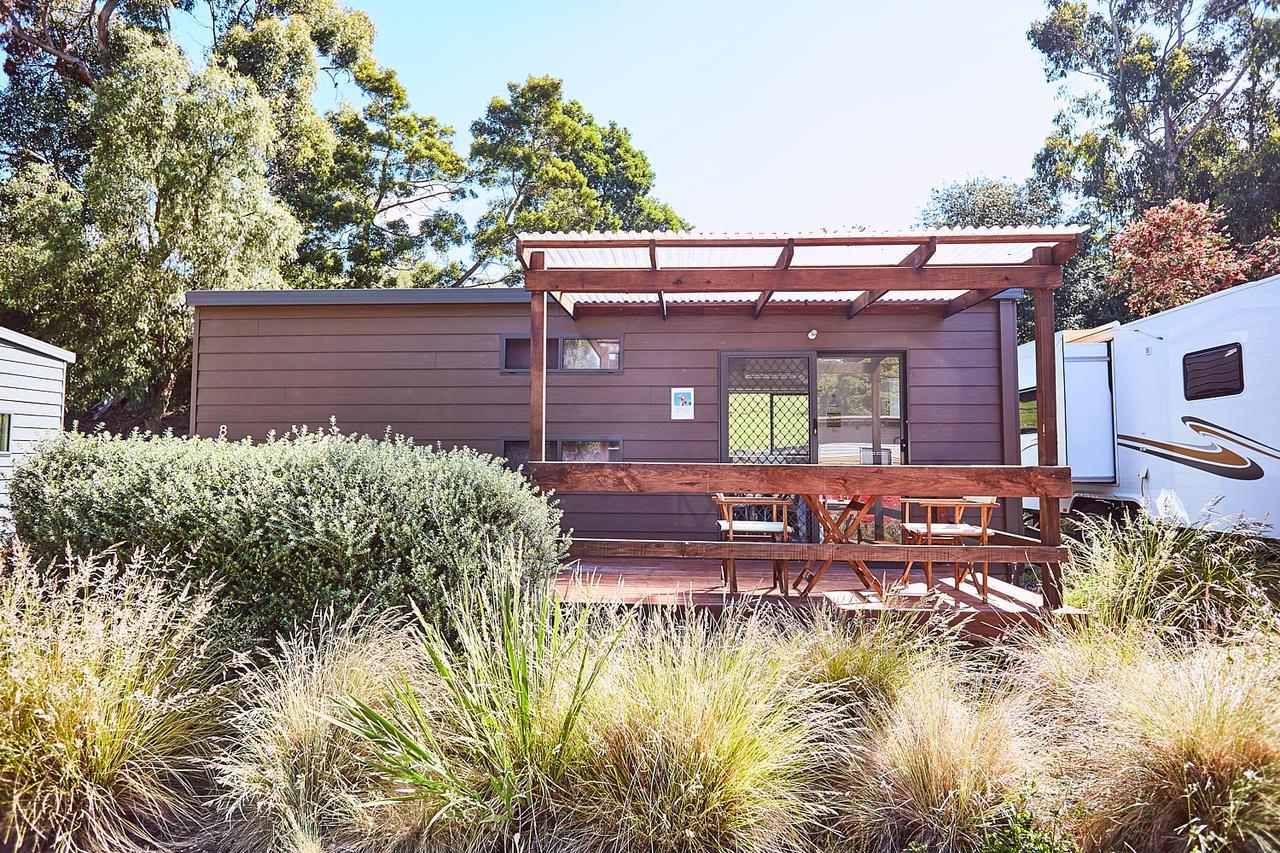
column 936, row 768
column 107, row 705
column 311, row 519
column 1215, row 575
column 481, row 744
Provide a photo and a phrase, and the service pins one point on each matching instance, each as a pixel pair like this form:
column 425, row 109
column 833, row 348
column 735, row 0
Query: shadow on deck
column 696, row 583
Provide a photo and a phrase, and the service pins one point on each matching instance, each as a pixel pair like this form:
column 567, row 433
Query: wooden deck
column 696, row 583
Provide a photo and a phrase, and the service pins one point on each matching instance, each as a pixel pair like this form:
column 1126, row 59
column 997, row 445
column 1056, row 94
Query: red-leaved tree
column 1173, row 254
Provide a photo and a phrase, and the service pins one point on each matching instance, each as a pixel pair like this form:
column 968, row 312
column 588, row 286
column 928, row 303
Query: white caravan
column 1173, row 411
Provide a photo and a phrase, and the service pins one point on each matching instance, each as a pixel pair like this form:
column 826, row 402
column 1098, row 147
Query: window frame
column 560, row 339
column 557, row 441
column 6, row 432
column 1237, row 345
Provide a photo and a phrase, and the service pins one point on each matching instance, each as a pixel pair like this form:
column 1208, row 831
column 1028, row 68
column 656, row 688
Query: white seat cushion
column 940, row 529
column 754, row 528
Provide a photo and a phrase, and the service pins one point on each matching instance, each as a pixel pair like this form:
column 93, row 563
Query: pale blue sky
column 756, row 115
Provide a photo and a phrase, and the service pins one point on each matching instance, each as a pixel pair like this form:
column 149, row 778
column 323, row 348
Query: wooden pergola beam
column 967, row 300
column 720, row 280
column 537, row 366
column 784, row 262
column 818, row 551
column 863, row 302
column 1058, row 254
column 921, row 254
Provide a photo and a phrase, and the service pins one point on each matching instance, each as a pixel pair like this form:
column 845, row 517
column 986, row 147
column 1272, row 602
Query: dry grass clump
column 871, row 660
column 293, row 782
column 107, row 704
column 701, row 738
column 935, row 767
column 1186, row 754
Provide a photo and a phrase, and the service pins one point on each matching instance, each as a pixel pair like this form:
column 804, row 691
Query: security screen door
column 768, row 408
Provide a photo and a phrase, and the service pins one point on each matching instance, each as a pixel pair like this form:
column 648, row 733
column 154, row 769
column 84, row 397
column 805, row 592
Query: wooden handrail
column 821, row 551
column 938, row 481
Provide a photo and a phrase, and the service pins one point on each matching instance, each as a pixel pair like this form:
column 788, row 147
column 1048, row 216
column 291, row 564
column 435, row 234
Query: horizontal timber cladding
column 432, row 371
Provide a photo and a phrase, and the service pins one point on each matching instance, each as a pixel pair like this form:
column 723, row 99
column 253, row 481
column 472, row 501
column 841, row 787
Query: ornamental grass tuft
column 109, row 704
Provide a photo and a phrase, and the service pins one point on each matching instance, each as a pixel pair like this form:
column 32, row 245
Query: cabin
column 33, row 392
column 640, row 375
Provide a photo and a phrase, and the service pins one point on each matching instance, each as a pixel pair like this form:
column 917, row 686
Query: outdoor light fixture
column 813, row 334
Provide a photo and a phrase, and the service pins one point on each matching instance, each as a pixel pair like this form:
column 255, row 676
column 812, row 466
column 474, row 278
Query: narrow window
column 6, row 428
column 591, row 354
column 515, row 354
column 1215, row 372
column 590, row 450
column 565, row 354
column 516, row 451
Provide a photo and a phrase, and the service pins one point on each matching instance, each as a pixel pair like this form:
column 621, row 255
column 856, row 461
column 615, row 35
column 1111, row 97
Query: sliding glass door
column 798, row 407
column 859, row 403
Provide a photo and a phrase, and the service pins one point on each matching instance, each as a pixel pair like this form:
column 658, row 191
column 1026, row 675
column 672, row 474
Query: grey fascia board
column 361, row 296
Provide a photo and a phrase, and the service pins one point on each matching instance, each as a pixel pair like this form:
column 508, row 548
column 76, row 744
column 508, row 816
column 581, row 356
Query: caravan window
column 1027, row 411
column 1216, row 372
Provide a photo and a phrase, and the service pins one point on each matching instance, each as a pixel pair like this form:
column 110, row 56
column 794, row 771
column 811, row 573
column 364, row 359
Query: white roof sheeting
column 593, row 250
column 694, row 250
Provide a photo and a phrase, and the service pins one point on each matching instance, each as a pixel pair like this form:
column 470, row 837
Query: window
column 1027, row 411
column 1216, row 372
column 566, row 354
column 6, row 428
column 516, row 451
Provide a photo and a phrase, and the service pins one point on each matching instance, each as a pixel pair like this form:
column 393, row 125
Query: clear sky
column 756, row 115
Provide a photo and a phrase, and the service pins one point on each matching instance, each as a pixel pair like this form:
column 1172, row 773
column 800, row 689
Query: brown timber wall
column 433, row 371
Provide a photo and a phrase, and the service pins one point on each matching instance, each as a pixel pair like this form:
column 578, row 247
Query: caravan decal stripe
column 1212, row 457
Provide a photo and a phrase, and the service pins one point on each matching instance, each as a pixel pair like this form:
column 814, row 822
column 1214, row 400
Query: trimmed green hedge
column 309, row 519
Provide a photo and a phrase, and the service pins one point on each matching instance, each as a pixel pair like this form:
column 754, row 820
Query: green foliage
column 1086, row 298
column 1164, row 98
column 373, row 185
column 1217, row 574
column 1017, row 830
column 295, row 523
column 490, row 728
column 173, row 196
column 550, row 167
column 986, row 203
column 108, row 704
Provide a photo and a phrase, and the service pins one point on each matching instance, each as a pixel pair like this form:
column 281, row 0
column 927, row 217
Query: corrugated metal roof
column 801, row 297
column 587, row 250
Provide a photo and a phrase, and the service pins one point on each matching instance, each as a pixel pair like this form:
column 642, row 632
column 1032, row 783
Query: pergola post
column 537, row 366
column 1047, row 439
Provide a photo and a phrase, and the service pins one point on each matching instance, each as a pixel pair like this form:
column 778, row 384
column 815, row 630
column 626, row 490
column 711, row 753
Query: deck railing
column 1048, row 483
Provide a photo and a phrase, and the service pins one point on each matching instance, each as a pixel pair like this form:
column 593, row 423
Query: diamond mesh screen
column 768, row 419
column 768, row 414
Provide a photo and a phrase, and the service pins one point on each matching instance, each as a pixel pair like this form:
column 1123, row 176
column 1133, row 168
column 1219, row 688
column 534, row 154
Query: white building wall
column 32, row 390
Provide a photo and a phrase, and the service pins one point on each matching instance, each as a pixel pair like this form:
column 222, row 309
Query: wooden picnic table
column 842, row 528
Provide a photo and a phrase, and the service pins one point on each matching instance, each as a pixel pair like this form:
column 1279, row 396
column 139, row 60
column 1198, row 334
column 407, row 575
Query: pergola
column 954, row 270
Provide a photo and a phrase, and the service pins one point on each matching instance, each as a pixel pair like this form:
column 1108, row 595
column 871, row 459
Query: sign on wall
column 681, row 404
